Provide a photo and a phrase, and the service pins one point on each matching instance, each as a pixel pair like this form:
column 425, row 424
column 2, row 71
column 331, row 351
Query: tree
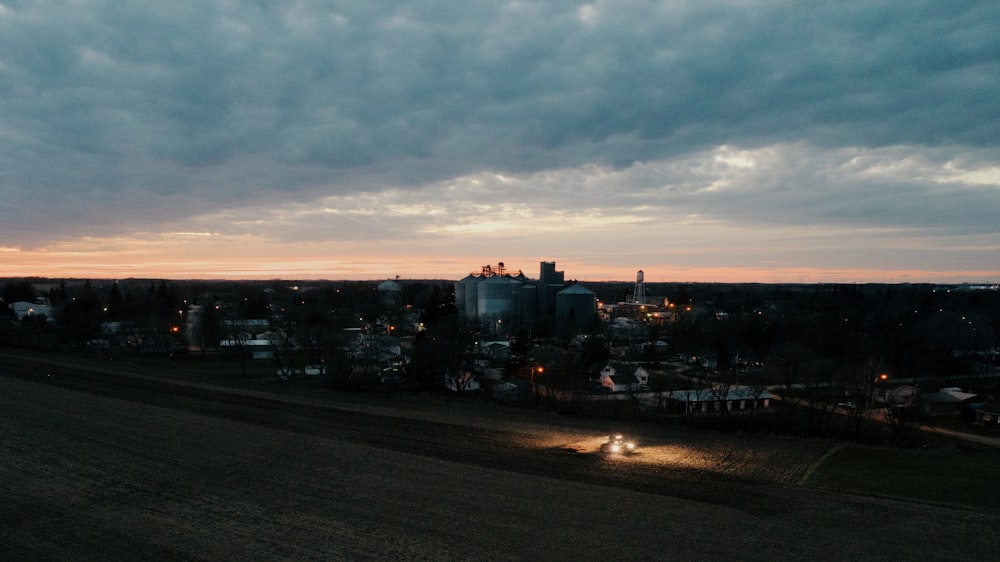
column 720, row 389
column 115, row 303
column 594, row 350
column 442, row 349
column 903, row 420
column 18, row 291
column 80, row 319
column 519, row 358
column 237, row 337
column 284, row 349
column 210, row 327
column 820, row 398
column 339, row 367
column 858, row 385
column 754, row 386
column 806, row 380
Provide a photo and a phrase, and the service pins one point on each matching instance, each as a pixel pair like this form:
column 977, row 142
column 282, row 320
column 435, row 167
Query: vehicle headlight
column 615, row 448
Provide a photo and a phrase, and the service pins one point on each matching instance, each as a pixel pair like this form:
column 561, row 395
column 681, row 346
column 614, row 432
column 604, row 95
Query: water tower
column 639, row 293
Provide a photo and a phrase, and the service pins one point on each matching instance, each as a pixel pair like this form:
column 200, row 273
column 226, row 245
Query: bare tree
column 903, row 421
column 753, row 387
column 284, row 349
column 720, row 389
column 858, row 386
column 806, row 381
column 238, row 338
column 821, row 399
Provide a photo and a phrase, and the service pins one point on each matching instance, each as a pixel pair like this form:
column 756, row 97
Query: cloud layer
column 865, row 128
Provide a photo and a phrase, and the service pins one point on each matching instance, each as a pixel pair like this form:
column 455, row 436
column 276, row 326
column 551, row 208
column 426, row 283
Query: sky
column 702, row 140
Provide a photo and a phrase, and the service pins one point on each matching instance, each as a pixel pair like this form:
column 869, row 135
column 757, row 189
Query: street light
column 533, row 369
column 879, row 393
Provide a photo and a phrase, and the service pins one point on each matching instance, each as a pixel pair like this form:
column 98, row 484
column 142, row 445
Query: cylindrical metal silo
column 497, row 296
column 460, row 294
column 577, row 302
column 472, row 295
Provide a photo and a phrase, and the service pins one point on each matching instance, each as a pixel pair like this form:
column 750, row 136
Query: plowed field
column 118, row 465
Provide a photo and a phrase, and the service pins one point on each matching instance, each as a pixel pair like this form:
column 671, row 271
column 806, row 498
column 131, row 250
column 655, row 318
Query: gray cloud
column 117, row 117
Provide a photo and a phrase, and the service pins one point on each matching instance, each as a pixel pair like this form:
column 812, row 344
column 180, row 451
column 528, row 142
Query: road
column 100, row 466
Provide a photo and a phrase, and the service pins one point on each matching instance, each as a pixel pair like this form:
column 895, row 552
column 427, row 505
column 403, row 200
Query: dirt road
column 105, row 466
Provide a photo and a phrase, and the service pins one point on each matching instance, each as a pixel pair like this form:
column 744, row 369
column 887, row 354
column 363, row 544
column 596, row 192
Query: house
column 707, row 400
column 947, row 401
column 24, row 309
column 901, row 395
column 618, row 377
column 495, row 349
column 957, row 392
column 988, row 415
column 938, row 404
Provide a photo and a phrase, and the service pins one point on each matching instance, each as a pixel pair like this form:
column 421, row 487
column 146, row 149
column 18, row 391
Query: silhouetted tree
column 519, row 359
column 18, row 291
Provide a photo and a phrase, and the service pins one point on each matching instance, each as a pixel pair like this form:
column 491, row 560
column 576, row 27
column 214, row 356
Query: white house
column 618, row 377
column 24, row 309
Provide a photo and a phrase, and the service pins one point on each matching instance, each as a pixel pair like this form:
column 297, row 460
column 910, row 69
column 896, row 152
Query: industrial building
column 502, row 299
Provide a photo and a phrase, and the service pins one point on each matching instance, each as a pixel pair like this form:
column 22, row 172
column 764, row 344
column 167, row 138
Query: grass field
column 958, row 474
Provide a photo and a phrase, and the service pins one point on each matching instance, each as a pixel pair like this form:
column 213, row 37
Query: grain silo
column 497, row 296
column 467, row 295
column 576, row 302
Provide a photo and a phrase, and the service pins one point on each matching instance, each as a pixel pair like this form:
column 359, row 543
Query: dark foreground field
column 114, row 466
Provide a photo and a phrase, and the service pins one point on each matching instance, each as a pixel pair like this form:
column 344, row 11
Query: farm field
column 957, row 473
column 100, row 466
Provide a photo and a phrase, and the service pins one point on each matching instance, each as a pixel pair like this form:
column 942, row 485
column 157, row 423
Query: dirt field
column 118, row 467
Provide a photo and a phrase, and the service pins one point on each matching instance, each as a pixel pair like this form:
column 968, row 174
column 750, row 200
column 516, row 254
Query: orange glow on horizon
column 49, row 264
column 180, row 256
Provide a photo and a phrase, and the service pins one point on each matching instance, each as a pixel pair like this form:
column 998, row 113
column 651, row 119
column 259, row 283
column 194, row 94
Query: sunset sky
column 767, row 141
